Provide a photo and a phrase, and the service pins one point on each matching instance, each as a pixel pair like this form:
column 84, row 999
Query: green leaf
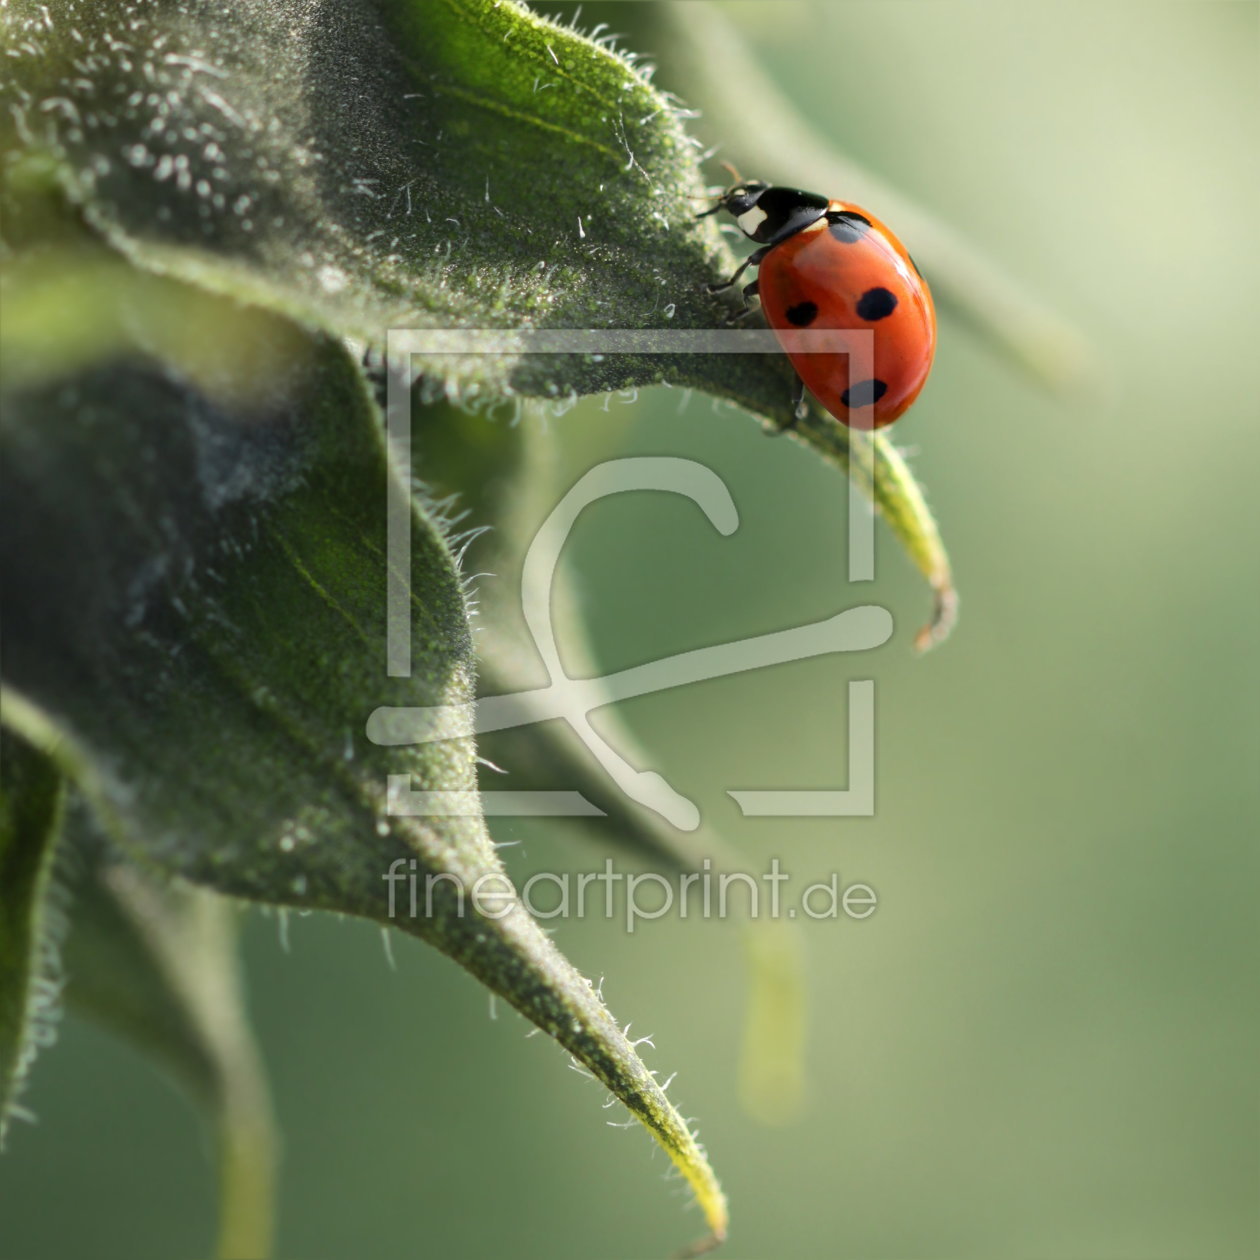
column 455, row 164
column 462, row 163
column 195, row 577
column 156, row 963
column 30, row 811
column 195, row 566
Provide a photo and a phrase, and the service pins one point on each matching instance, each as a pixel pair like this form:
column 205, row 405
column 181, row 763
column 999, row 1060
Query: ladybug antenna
column 737, row 177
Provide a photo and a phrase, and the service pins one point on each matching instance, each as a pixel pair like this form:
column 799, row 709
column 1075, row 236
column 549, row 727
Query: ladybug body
column 827, row 264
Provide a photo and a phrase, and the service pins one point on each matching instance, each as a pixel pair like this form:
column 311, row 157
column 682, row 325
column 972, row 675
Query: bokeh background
column 1044, row 1043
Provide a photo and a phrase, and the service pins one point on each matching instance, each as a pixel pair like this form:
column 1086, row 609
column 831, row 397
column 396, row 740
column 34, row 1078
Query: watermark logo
column 855, row 629
column 633, row 897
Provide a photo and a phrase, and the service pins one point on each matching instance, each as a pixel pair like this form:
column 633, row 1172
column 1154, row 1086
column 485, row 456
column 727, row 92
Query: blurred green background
column 1044, row 1043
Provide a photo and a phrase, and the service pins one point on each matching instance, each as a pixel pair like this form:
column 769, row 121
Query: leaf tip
column 702, row 1246
column 944, row 614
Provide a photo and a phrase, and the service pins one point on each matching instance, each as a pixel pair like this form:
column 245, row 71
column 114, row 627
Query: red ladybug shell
column 848, row 271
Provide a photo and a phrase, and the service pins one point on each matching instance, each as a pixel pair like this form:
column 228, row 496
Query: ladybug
column 828, row 264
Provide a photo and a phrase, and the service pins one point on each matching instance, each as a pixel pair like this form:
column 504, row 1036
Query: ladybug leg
column 800, row 409
column 750, row 291
column 751, row 261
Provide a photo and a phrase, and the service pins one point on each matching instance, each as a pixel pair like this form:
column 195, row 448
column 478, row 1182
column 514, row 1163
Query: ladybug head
column 740, row 198
column 767, row 214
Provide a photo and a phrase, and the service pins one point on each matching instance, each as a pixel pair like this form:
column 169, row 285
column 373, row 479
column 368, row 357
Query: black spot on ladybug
column 876, row 304
column 847, row 227
column 802, row 314
column 864, row 393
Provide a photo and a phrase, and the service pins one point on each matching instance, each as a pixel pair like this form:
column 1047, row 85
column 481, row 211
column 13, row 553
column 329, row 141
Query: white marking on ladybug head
column 751, row 220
